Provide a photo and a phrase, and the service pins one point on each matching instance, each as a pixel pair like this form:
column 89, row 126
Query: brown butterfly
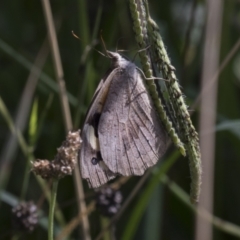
column 122, row 133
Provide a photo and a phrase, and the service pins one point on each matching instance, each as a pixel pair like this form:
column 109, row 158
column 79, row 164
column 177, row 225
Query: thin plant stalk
column 29, row 155
column 68, row 229
column 11, row 144
column 225, row 226
column 216, row 75
column 65, row 108
column 104, row 223
column 26, row 177
column 24, row 62
column 208, row 113
column 52, row 208
column 32, row 136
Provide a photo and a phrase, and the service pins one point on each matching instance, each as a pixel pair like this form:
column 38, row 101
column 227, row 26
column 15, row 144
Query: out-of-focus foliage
column 22, row 35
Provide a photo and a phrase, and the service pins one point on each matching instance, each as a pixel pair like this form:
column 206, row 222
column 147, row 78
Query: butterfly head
column 117, row 60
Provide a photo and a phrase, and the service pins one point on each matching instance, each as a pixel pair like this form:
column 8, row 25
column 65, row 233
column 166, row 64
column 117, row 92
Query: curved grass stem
column 51, row 210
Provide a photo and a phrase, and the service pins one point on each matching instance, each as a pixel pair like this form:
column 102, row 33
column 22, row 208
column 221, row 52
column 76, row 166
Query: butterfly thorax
column 120, row 62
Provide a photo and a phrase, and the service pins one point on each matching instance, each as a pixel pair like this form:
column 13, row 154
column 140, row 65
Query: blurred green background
column 23, row 36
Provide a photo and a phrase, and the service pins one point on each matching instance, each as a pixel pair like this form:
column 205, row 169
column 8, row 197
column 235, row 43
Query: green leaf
column 33, row 123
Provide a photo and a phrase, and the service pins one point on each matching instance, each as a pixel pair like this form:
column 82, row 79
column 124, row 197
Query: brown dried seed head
column 65, row 160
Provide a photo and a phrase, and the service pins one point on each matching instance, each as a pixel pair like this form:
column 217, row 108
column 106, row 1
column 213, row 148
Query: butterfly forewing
column 131, row 137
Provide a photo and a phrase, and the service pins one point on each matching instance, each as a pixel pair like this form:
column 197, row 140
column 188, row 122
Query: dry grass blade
column 75, row 222
column 65, row 106
column 215, row 77
column 24, row 107
column 208, row 113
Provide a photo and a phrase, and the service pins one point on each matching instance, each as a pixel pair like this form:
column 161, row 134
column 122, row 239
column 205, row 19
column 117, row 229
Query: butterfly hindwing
column 92, row 166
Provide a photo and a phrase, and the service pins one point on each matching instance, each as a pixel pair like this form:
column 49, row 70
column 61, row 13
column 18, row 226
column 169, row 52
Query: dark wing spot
column 94, row 161
column 97, row 159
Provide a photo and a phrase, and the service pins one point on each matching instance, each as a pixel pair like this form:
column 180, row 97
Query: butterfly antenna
column 104, row 46
column 77, row 37
column 117, row 50
column 141, row 50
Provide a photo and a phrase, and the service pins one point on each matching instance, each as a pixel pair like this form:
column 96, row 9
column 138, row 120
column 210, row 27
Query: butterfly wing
column 93, row 169
column 131, row 136
column 91, row 165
